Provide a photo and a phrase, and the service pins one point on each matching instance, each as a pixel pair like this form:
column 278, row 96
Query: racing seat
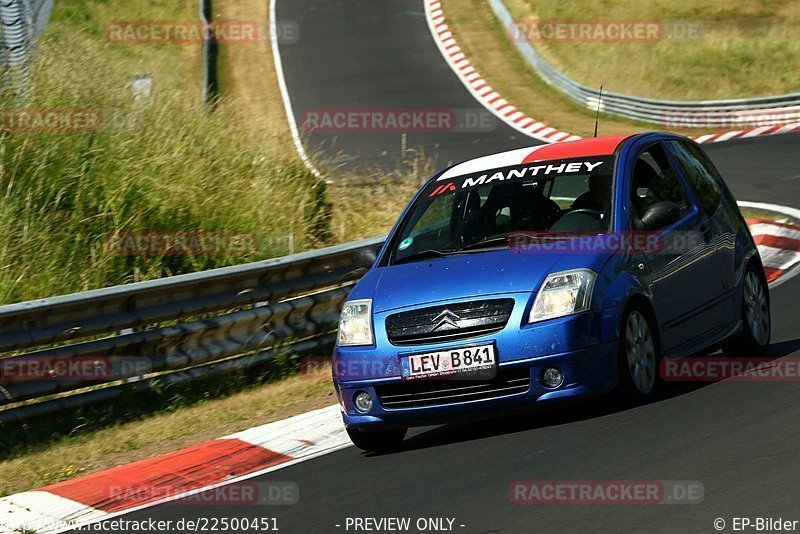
column 597, row 197
column 510, row 208
column 644, row 176
column 532, row 211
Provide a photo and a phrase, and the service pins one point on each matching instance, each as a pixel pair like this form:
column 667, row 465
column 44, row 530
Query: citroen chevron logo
column 446, row 318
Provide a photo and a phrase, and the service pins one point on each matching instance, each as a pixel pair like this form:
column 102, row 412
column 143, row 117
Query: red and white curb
column 779, row 246
column 176, row 475
column 480, row 89
column 778, row 242
column 505, row 111
column 744, row 134
column 266, row 448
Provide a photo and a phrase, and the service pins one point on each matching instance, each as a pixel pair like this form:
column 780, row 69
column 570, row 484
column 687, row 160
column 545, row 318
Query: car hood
column 466, row 275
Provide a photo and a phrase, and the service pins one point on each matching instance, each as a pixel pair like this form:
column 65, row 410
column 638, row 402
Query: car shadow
column 561, row 414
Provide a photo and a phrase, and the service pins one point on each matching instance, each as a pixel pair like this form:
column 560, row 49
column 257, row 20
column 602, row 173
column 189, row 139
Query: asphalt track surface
column 357, row 54
column 741, row 440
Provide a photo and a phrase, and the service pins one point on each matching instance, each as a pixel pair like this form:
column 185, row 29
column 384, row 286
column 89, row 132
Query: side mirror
column 661, row 214
column 365, row 258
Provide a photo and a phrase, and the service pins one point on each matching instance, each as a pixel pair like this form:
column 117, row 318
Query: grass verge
column 752, row 213
column 247, row 76
column 161, row 164
column 486, row 43
column 734, row 49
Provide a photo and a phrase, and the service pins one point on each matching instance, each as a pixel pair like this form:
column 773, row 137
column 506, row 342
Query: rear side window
column 700, row 176
column 655, row 180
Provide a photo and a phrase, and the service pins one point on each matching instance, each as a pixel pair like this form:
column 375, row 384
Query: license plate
column 452, row 363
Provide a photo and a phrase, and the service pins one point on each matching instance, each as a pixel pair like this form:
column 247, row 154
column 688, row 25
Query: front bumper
column 589, row 371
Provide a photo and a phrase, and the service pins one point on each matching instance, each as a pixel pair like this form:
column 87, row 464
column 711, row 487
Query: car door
column 722, row 219
column 681, row 275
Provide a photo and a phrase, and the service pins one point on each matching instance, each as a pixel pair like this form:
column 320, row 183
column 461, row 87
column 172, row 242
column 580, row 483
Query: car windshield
column 481, row 210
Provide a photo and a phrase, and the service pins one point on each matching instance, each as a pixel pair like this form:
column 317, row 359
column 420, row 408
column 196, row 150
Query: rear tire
column 639, row 354
column 753, row 340
column 377, row 441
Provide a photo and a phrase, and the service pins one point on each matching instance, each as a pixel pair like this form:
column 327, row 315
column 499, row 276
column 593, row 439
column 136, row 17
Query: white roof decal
column 493, row 161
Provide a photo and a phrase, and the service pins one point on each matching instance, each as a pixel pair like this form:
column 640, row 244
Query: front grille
column 449, row 323
column 419, row 393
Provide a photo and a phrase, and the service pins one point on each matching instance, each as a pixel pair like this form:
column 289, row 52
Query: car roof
column 595, row 146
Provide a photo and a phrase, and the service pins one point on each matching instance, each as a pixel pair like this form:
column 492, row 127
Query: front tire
column 377, row 441
column 638, row 354
column 754, row 338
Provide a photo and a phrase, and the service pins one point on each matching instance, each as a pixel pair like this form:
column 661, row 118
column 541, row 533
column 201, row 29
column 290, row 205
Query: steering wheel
column 597, row 214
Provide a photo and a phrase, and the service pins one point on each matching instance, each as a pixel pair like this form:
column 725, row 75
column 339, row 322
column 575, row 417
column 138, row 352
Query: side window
column 699, row 175
column 655, row 180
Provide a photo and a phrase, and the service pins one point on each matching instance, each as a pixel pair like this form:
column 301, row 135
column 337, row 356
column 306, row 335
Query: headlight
column 355, row 324
column 563, row 294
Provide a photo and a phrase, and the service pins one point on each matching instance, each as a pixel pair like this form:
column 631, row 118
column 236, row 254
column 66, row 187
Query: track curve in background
column 367, row 54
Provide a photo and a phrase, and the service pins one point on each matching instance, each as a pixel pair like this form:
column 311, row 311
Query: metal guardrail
column 732, row 114
column 182, row 328
column 21, row 22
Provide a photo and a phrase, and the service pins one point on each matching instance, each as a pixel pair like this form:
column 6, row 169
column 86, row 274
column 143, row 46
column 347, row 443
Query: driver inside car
column 598, row 197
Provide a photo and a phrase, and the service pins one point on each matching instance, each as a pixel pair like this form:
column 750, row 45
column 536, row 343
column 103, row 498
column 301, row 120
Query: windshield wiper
column 423, row 254
column 434, row 253
column 485, row 243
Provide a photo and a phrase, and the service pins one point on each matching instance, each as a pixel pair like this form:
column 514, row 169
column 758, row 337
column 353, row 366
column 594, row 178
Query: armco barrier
column 184, row 328
column 21, row 22
column 735, row 113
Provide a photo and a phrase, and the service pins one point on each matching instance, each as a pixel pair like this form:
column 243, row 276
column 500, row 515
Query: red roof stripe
column 595, row 146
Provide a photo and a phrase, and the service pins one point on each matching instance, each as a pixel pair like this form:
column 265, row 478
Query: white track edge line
column 287, row 101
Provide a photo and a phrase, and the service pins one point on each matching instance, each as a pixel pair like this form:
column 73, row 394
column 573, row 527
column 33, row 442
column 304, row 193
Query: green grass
column 752, row 213
column 746, row 48
column 165, row 165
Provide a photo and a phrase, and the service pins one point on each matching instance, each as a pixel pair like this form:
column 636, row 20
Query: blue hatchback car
column 546, row 274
